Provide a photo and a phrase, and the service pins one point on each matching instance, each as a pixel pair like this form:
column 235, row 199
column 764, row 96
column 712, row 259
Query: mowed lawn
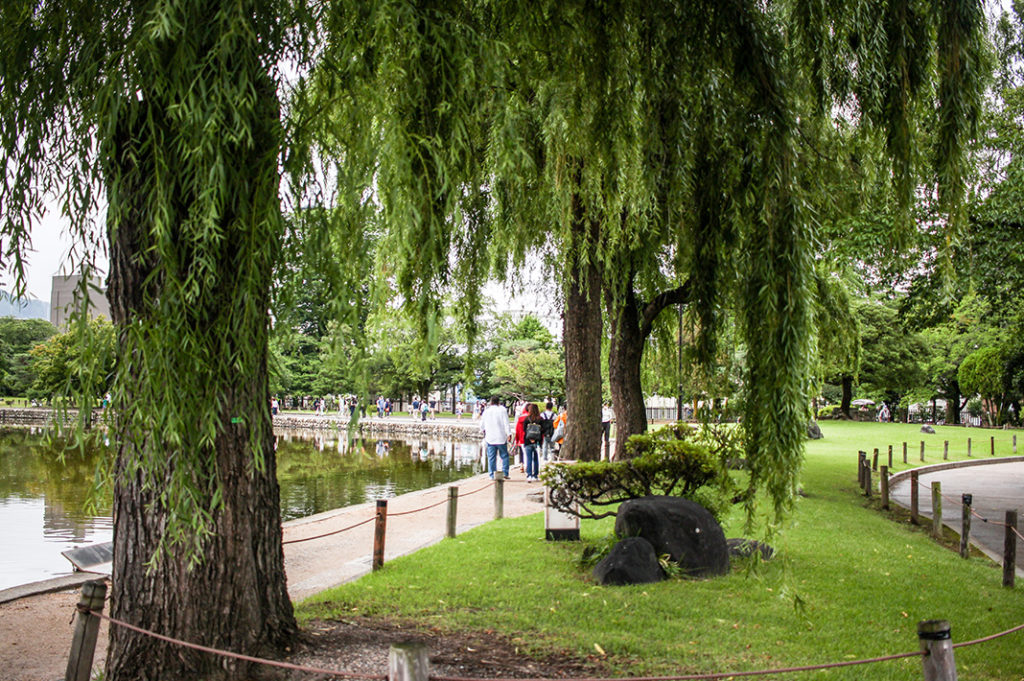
column 849, row 582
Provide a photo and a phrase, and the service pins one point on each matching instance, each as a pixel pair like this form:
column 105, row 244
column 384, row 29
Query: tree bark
column 230, row 593
column 844, row 407
column 631, row 323
column 581, row 333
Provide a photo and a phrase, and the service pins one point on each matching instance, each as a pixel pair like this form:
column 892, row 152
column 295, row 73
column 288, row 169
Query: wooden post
column 937, row 646
column 890, row 457
column 1010, row 549
column 965, row 525
column 499, row 495
column 913, row 498
column 937, row 509
column 945, row 450
column 992, row 446
column 904, row 452
column 408, row 661
column 922, row 450
column 874, row 460
column 867, row 480
column 87, row 626
column 453, row 508
column 1015, row 445
column 968, row 447
column 884, row 481
column 378, row 533
column 860, row 468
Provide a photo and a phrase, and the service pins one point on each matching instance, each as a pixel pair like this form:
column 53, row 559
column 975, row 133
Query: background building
column 62, row 298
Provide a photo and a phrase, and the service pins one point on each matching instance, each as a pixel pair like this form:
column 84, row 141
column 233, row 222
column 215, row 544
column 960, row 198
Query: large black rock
column 814, row 431
column 631, row 561
column 683, row 529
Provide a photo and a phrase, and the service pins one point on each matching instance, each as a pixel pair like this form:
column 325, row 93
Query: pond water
column 44, row 510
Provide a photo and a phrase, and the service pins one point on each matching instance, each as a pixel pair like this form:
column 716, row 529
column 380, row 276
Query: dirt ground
column 37, row 631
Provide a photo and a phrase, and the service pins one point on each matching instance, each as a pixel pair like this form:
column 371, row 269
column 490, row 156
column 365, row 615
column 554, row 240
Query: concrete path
column 319, row 564
column 996, row 487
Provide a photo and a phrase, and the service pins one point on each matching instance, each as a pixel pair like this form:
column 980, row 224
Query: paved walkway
column 995, row 488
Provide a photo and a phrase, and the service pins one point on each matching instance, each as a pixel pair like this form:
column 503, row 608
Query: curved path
column 996, row 487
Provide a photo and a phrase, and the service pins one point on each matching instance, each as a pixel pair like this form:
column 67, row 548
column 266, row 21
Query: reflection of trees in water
column 346, row 472
column 65, row 481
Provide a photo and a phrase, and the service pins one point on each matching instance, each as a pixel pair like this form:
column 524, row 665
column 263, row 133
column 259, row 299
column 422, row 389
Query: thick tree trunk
column 229, row 590
column 581, row 333
column 625, row 354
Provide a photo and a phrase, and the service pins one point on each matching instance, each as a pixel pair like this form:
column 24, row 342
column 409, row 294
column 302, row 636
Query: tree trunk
column 581, row 333
column 953, row 406
column 844, row 406
column 625, row 354
column 224, row 589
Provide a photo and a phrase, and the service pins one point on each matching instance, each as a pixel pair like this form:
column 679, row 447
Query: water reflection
column 43, row 501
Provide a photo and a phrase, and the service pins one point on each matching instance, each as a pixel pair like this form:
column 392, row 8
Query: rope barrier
column 237, row 656
column 958, row 502
column 390, row 515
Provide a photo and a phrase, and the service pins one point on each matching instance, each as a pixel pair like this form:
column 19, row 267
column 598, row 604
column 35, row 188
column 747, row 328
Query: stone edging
column 468, row 430
column 935, row 467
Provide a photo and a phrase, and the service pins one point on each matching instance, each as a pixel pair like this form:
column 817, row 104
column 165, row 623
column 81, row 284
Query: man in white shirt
column 494, row 426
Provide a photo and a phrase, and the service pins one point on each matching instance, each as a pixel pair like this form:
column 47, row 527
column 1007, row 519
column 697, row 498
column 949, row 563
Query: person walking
column 561, row 422
column 494, row 427
column 533, row 436
column 520, row 435
column 548, row 421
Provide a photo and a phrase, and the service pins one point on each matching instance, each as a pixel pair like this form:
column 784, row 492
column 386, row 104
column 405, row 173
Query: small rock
column 927, row 429
column 631, row 561
column 814, row 431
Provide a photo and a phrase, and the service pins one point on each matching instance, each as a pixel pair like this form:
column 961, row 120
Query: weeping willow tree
column 166, row 116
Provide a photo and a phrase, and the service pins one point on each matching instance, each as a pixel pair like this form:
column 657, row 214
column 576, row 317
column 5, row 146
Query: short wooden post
column 992, row 446
column 904, row 452
column 1010, row 549
column 1015, row 445
column 408, row 661
column 965, row 525
column 499, row 495
column 884, row 482
column 890, row 457
column 968, row 447
column 922, row 450
column 867, row 480
column 860, row 468
column 378, row 533
column 874, row 460
column 453, row 508
column 937, row 509
column 945, row 450
column 937, row 646
column 914, row 496
column 87, row 626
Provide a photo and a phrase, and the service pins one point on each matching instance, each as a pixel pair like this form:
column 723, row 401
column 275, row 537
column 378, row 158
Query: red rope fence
column 683, row 677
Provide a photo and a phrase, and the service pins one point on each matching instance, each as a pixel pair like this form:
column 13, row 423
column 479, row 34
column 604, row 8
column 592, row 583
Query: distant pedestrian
column 533, row 436
column 548, row 420
column 424, row 410
column 494, row 427
column 607, row 418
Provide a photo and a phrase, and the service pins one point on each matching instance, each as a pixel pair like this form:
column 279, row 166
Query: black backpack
column 534, row 432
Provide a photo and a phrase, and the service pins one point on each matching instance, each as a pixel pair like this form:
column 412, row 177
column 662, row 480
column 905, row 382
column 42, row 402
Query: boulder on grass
column 683, row 529
column 631, row 561
column 927, row 429
column 814, row 431
column 740, row 547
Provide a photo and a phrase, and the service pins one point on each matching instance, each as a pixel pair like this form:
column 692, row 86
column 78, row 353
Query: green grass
column 848, row 583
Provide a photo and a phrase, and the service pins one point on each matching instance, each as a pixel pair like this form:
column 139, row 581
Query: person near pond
column 533, row 436
column 548, row 418
column 424, row 410
column 494, row 426
column 561, row 421
column 520, row 436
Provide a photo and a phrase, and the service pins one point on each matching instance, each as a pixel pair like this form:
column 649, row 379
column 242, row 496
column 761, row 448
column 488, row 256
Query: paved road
column 995, row 487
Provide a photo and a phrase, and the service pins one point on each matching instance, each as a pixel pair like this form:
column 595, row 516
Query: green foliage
column 17, row 338
column 62, row 366
column 660, row 463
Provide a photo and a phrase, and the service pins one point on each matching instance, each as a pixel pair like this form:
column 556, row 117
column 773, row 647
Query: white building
column 63, row 293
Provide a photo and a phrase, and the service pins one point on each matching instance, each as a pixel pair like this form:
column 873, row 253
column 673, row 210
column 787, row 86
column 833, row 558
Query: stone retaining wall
column 38, row 417
column 441, row 429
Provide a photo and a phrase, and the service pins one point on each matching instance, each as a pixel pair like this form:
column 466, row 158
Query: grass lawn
column 848, row 582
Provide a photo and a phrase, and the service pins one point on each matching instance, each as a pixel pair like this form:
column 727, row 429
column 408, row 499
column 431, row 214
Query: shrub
column 663, row 462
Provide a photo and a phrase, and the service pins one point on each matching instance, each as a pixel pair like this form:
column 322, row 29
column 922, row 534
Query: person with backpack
column 547, row 418
column 533, row 436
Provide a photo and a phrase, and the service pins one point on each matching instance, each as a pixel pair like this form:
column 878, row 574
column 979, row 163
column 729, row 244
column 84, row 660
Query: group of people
column 536, row 434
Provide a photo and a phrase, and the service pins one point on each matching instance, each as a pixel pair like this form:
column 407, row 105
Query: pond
column 44, row 510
